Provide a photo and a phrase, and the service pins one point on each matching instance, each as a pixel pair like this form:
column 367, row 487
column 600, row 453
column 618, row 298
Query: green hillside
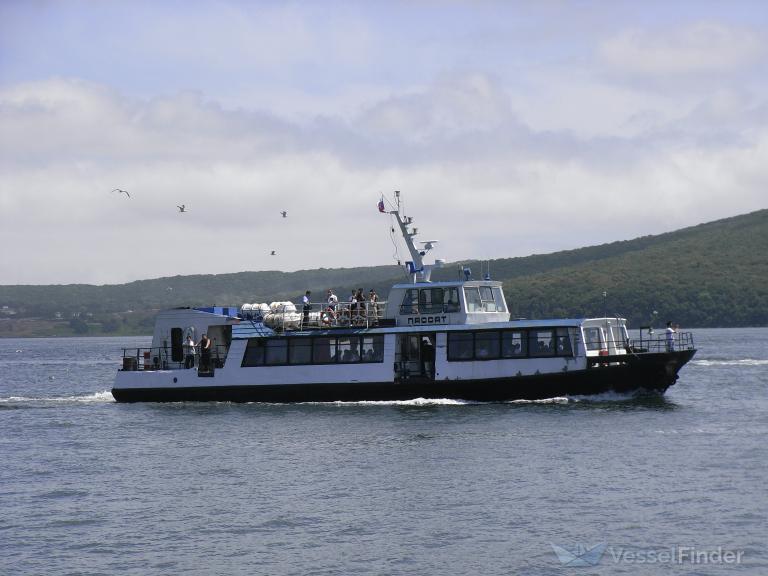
column 714, row 274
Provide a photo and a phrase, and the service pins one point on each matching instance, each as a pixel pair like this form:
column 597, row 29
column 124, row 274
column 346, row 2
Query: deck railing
column 162, row 359
column 658, row 342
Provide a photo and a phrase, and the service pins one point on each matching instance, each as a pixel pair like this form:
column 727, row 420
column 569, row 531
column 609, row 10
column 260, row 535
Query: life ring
column 326, row 317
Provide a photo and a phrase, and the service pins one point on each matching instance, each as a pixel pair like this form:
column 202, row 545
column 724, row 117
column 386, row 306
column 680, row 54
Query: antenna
column 416, row 267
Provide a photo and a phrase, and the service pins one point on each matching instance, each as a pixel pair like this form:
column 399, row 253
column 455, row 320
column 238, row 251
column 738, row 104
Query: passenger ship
column 447, row 339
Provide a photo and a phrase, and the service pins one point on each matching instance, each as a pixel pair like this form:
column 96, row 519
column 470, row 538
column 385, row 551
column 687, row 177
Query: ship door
column 415, row 356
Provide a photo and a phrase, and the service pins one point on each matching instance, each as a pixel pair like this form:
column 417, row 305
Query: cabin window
column 487, row 345
column 254, row 353
column 323, row 350
column 348, row 349
column 410, row 302
column 300, row 351
column 472, row 296
column 460, row 345
column 593, row 338
column 276, row 352
column 563, row 342
column 177, row 340
column 541, row 343
column 373, row 348
column 513, row 344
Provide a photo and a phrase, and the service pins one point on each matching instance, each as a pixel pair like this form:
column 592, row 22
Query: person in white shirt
column 189, row 352
column 333, row 300
column 670, row 337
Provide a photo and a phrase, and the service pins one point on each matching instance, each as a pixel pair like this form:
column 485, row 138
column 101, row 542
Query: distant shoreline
column 39, row 329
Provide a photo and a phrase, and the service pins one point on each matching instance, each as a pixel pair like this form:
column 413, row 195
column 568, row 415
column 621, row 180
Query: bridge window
column 410, row 302
column 484, row 299
column 498, row 298
column 472, row 296
column 593, row 338
column 431, row 300
column 486, row 295
column 451, row 300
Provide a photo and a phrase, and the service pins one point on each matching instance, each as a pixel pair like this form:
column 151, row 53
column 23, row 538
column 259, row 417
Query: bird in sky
column 273, row 253
column 284, row 213
column 121, row 192
column 181, row 208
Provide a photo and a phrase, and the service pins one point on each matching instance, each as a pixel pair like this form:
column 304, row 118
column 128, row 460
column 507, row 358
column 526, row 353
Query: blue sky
column 512, row 128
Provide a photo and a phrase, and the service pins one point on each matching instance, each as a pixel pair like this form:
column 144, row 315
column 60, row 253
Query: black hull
column 626, row 373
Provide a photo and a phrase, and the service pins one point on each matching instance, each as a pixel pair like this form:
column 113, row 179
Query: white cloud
column 702, row 47
column 471, row 172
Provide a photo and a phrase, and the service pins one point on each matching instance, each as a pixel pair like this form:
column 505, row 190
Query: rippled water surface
column 88, row 486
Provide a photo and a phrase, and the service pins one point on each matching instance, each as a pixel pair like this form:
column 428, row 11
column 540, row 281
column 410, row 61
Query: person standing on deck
column 333, row 300
column 373, row 310
column 428, row 357
column 307, row 306
column 205, row 354
column 189, row 352
column 670, row 337
column 360, row 299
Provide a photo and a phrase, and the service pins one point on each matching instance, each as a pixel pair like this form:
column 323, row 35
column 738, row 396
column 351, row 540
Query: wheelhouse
column 435, row 303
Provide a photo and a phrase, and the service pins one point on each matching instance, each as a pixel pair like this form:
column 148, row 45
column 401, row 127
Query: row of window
column 439, row 300
column 495, row 344
column 319, row 350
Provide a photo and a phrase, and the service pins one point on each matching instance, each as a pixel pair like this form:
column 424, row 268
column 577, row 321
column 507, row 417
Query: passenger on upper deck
column 306, row 306
column 373, row 310
column 333, row 300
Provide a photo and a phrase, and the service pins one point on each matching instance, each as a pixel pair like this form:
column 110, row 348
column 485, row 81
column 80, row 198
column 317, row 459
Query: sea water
column 631, row 484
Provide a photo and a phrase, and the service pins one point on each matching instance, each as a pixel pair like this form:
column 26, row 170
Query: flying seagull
column 284, row 213
column 121, row 192
column 181, row 208
column 273, row 253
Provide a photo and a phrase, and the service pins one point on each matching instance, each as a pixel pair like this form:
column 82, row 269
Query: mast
column 419, row 271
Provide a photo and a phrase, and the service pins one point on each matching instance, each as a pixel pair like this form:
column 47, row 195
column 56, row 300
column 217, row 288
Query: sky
column 511, row 128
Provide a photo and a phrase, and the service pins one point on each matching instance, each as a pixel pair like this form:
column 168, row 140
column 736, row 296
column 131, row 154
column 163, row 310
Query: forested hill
column 713, row 274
